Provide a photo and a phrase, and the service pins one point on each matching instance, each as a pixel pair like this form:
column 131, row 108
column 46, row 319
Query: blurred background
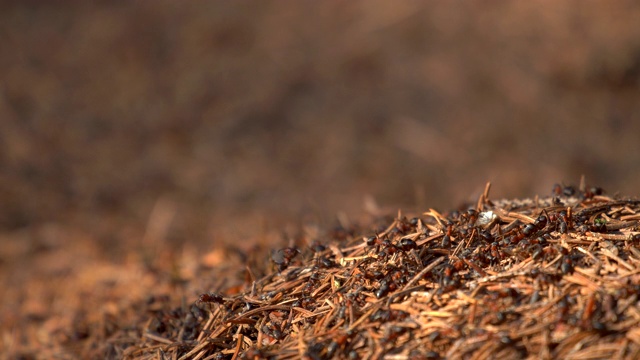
column 126, row 123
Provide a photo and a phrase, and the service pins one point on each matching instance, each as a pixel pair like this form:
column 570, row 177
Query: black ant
column 567, row 265
column 326, row 263
column 539, row 224
column 314, row 279
column 563, row 222
column 385, row 287
column 446, row 239
column 593, row 191
column 407, row 244
column 566, row 190
column 470, row 216
column 339, row 342
column 384, row 315
column 304, row 302
column 373, row 240
column 393, row 332
column 388, row 248
column 211, row 298
column 283, row 257
column 450, row 280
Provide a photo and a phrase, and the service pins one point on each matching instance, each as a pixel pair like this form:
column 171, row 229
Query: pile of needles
column 555, row 277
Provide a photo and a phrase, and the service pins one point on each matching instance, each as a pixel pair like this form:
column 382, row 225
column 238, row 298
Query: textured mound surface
column 551, row 278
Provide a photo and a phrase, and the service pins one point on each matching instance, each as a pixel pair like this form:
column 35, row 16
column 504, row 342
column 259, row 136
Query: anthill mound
column 555, row 277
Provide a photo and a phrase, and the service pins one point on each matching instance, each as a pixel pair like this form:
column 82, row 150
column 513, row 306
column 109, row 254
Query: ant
column 304, row 302
column 450, row 279
column 373, row 275
column 407, row 244
column 282, row 257
column 562, row 221
column 393, row 332
column 272, row 330
column 384, row 315
column 470, row 216
column 386, row 286
column 567, row 265
column 388, row 248
column 211, row 298
column 403, row 225
column 373, row 240
column 255, row 354
column 567, row 190
column 486, row 236
column 314, row 279
column 325, row 262
column 539, row 224
column 593, row 191
column 446, row 239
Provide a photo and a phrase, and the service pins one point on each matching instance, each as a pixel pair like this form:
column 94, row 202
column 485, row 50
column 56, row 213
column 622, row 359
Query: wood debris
column 555, row 277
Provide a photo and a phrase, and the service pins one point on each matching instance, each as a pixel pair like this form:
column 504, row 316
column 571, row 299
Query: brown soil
column 150, row 153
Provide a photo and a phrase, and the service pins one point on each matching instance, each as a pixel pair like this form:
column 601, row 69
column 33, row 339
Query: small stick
column 615, row 237
column 621, row 225
column 483, row 198
column 238, row 346
column 475, row 267
column 423, row 272
column 195, row 350
column 207, row 325
column 436, row 215
column 611, row 255
column 158, row 338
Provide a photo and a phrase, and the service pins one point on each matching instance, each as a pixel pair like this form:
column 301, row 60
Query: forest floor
column 157, row 161
column 553, row 277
